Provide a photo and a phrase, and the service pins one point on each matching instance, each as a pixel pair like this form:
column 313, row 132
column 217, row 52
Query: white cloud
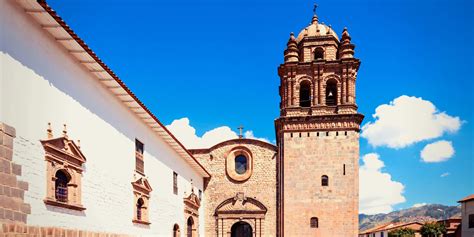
column 419, row 204
column 186, row 134
column 407, row 120
column 249, row 134
column 444, row 174
column 437, row 151
column 378, row 192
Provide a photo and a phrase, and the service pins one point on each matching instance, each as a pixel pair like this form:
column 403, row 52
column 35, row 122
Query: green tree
column 402, row 232
column 432, row 229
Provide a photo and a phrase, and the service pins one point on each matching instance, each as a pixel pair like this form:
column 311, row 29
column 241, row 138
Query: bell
column 330, row 93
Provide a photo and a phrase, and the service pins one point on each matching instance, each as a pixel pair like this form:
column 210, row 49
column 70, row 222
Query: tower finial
column 49, row 131
column 315, row 17
column 65, row 131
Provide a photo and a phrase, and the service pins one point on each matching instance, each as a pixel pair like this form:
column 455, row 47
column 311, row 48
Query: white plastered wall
column 40, row 83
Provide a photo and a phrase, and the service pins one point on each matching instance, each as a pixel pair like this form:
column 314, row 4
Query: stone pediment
column 192, row 201
column 63, row 150
column 241, row 205
column 142, row 185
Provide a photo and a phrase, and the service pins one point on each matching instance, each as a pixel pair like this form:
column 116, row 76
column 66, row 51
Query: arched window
column 305, row 94
column 314, row 223
column 60, row 186
column 139, row 208
column 318, row 54
column 176, row 230
column 241, row 164
column 190, row 227
column 331, row 93
column 324, row 180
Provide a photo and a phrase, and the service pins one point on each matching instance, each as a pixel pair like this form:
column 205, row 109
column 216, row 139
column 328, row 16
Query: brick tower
column 318, row 135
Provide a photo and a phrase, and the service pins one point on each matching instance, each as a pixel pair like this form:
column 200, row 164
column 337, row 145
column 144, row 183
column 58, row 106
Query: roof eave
column 51, row 22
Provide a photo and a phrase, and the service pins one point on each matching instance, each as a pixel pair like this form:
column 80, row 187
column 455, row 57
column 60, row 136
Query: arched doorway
column 176, row 230
column 190, row 229
column 241, row 229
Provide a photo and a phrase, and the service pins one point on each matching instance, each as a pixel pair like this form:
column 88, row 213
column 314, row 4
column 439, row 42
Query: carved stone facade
column 191, row 214
column 246, row 200
column 64, row 166
column 318, row 135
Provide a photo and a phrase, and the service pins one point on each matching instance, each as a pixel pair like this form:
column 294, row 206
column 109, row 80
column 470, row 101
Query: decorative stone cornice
column 320, row 123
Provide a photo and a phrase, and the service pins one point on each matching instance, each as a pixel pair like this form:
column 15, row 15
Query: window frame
column 175, row 183
column 139, row 158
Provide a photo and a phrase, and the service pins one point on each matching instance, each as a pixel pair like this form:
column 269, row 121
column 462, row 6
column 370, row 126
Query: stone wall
column 12, row 190
column 14, row 229
column 261, row 186
column 307, row 157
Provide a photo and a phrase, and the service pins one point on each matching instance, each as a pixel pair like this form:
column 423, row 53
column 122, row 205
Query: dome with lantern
column 316, row 29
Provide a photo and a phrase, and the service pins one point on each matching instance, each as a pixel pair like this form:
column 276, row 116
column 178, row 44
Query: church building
column 81, row 155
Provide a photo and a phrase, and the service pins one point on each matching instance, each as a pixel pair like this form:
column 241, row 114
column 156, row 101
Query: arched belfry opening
column 319, row 54
column 305, row 94
column 331, row 92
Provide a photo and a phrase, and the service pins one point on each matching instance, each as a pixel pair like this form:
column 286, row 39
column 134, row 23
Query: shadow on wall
column 41, row 57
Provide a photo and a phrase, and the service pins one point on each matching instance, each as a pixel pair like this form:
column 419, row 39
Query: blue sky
column 215, row 63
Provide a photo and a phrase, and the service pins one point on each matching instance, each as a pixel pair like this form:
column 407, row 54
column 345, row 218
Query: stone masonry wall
column 261, row 185
column 306, row 159
column 13, row 209
column 12, row 229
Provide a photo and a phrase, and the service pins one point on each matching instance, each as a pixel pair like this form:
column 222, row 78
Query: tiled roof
column 468, row 198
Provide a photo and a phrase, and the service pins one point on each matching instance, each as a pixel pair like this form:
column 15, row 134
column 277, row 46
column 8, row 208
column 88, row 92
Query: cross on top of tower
column 241, row 128
column 315, row 17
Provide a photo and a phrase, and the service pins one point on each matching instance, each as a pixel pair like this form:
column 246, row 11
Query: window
column 381, row 234
column 305, row 94
column 331, row 93
column 141, row 195
column 324, row 180
column 319, row 53
column 200, row 194
column 314, row 223
column 64, row 171
column 344, row 169
column 241, row 164
column 471, row 221
column 139, row 209
column 139, row 163
column 175, row 183
column 60, row 186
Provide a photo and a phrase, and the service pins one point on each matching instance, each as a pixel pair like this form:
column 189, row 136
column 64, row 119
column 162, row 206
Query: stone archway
column 241, row 229
column 240, row 216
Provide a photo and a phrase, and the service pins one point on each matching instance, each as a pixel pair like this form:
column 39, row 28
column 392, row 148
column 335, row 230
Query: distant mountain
column 430, row 212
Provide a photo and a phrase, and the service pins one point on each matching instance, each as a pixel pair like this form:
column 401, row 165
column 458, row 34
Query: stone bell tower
column 318, row 135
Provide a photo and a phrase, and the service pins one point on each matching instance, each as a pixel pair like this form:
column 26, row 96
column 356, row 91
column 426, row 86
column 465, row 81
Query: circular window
column 241, row 164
